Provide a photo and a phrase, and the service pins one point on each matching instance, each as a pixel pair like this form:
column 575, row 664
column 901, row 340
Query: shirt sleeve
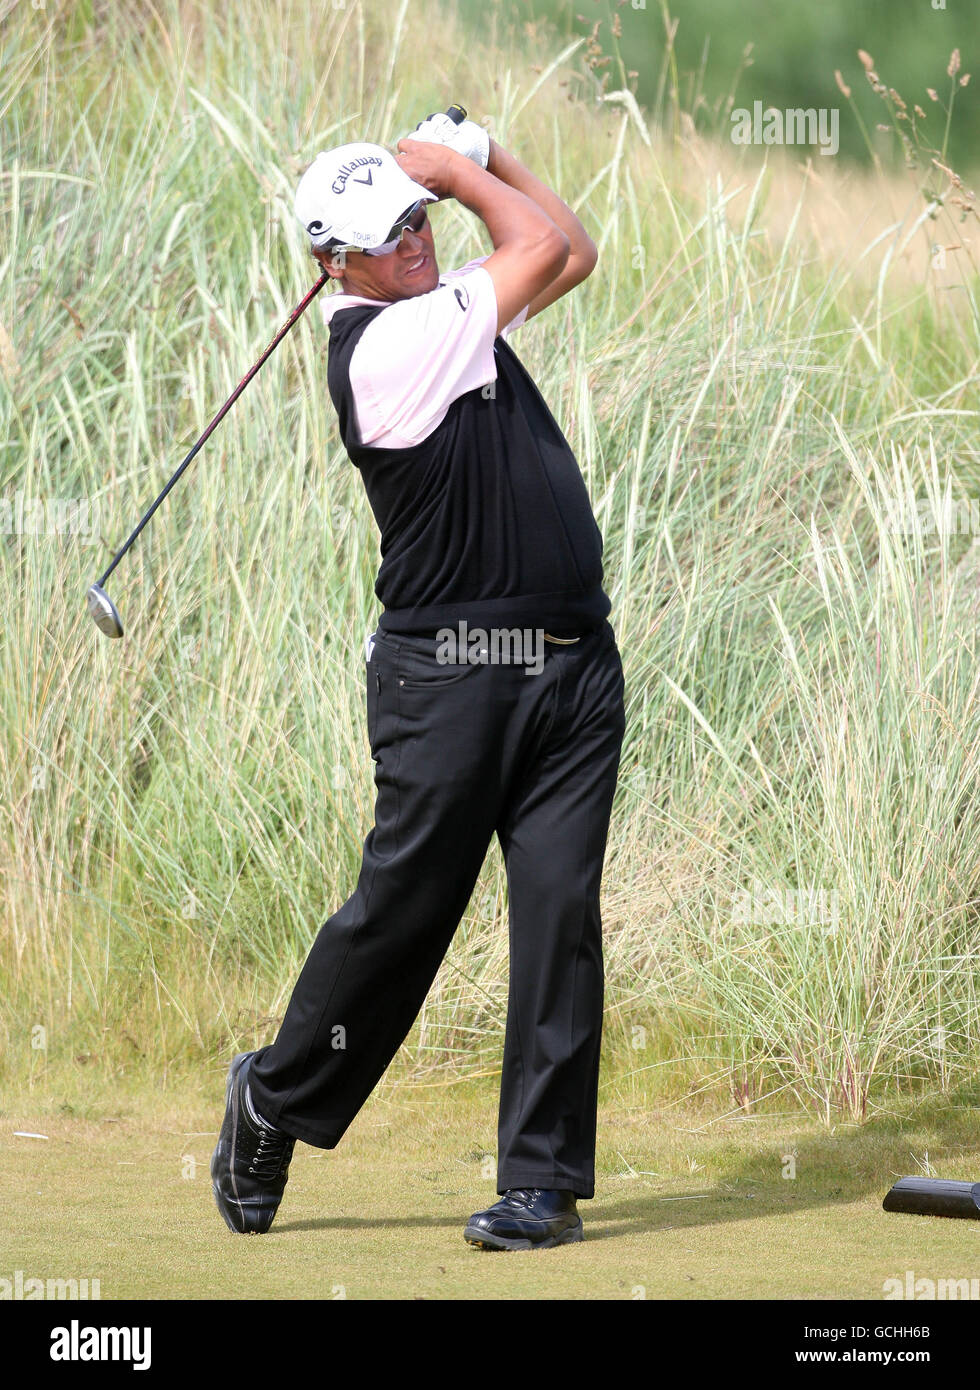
column 516, row 321
column 419, row 355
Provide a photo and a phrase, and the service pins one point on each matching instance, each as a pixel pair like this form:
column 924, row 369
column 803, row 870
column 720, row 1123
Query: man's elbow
column 555, row 251
column 585, row 257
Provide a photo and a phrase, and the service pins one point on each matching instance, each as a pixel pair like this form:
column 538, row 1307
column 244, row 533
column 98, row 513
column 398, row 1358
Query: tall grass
column 181, row 810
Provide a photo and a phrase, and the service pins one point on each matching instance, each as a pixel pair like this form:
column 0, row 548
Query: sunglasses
column 412, row 221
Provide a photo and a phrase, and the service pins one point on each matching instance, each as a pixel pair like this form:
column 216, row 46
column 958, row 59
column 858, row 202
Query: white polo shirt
column 402, row 393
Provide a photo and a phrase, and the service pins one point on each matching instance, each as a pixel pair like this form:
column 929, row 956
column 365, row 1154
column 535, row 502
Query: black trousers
column 463, row 751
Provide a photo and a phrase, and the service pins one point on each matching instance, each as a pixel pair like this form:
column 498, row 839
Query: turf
column 687, row 1206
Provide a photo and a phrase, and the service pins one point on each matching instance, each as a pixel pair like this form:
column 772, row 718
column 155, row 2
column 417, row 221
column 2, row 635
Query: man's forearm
column 509, row 169
column 509, row 213
column 533, row 262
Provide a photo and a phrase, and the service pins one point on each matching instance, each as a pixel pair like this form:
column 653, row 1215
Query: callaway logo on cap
column 355, row 194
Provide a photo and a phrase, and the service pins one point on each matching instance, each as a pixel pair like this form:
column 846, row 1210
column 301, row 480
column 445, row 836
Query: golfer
column 494, row 683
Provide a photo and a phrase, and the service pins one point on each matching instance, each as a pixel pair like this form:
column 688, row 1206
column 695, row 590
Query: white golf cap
column 354, row 195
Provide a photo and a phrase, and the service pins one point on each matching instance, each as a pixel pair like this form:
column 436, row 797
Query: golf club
column 100, row 605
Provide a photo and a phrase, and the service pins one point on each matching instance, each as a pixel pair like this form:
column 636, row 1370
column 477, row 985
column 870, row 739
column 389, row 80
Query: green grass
column 687, row 1205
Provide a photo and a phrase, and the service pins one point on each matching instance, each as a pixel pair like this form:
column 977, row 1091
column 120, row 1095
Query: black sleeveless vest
column 488, row 520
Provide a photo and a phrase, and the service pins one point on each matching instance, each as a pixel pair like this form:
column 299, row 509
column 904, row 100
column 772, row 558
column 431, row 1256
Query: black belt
column 562, row 636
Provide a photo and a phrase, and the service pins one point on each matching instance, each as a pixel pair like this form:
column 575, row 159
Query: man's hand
column 433, row 166
column 466, row 138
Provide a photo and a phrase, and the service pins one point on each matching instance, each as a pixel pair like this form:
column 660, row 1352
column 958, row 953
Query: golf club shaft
column 456, row 113
column 300, row 308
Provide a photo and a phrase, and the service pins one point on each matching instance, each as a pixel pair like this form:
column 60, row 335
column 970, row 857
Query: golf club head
column 104, row 612
column 935, row 1197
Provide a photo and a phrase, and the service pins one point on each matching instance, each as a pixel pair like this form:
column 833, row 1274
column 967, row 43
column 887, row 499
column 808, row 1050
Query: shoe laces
column 272, row 1154
column 524, row 1196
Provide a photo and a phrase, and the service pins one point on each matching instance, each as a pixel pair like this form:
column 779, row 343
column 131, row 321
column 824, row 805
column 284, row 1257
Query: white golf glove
column 467, row 138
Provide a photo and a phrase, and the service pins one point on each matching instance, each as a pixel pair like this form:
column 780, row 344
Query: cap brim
column 400, row 199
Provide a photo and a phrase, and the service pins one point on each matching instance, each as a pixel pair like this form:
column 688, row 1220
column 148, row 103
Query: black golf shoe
column 250, row 1164
column 526, row 1218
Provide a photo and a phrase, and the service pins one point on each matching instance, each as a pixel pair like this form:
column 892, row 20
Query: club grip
column 456, row 113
